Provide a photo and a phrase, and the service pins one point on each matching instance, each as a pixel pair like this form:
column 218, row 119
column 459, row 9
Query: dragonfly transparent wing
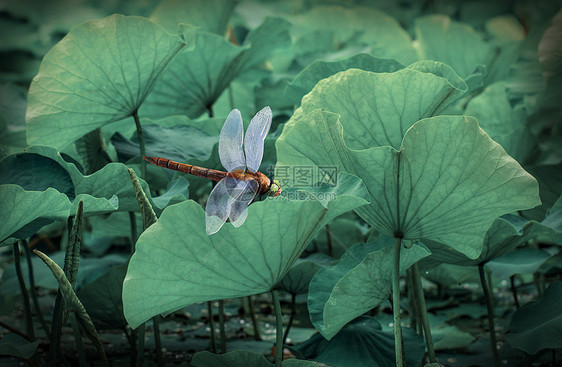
column 221, row 202
column 255, row 135
column 230, row 142
column 239, row 209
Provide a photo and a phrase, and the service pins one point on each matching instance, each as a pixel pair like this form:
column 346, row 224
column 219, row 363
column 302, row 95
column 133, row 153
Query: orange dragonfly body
column 212, row 174
column 237, row 187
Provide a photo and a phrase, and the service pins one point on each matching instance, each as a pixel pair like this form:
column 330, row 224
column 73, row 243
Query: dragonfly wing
column 239, row 209
column 219, row 205
column 255, row 135
column 230, row 142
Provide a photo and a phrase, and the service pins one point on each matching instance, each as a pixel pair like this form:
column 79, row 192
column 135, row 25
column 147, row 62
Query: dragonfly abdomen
column 211, row 174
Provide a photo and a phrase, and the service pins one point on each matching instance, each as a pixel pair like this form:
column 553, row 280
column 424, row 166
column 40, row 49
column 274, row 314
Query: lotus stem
column 32, row 288
column 414, row 310
column 488, row 297
column 514, row 291
column 418, row 290
column 157, row 341
column 398, row 343
column 141, row 143
column 24, row 294
column 278, row 329
column 257, row 335
column 212, row 326
column 291, row 317
column 222, row 327
column 140, row 344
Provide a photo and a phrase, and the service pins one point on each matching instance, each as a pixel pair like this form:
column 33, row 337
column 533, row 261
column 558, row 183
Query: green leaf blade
column 377, row 109
column 359, row 282
column 448, row 182
column 99, row 73
column 176, row 264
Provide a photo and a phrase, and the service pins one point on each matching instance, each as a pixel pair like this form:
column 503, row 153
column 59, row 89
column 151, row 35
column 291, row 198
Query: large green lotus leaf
column 505, row 235
column 24, row 212
column 209, row 15
column 102, row 298
column 504, row 124
column 538, row 325
column 111, row 180
column 100, row 72
column 176, row 264
column 298, row 277
column 521, row 261
column 196, row 78
column 91, row 268
column 360, row 281
column 455, row 44
column 362, row 343
column 34, row 172
column 242, row 358
column 448, row 182
column 377, row 109
column 305, row 80
column 362, row 25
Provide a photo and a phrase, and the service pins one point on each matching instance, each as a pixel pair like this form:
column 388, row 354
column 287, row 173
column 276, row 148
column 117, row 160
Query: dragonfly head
column 274, row 188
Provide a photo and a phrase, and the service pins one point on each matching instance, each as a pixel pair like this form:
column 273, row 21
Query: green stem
column 514, row 290
column 25, row 295
column 141, row 143
column 418, row 290
column 291, row 317
column 413, row 308
column 488, row 297
column 222, row 326
column 140, row 344
column 32, row 288
column 78, row 340
column 157, row 341
column 212, row 326
column 257, row 335
column 278, row 329
column 134, row 348
column 398, row 344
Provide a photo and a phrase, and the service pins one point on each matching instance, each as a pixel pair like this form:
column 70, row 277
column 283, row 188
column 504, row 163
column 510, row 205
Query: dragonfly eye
column 274, row 188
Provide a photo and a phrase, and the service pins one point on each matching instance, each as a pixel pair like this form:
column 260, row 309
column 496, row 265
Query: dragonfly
column 242, row 181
